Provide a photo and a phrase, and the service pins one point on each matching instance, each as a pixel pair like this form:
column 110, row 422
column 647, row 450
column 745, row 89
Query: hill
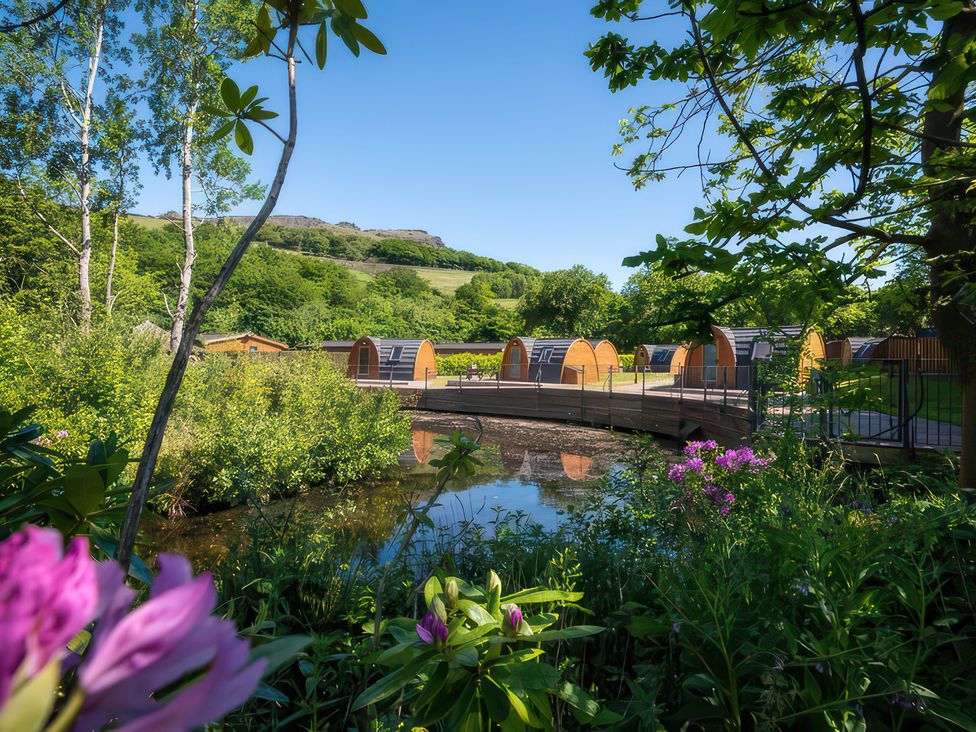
column 306, row 222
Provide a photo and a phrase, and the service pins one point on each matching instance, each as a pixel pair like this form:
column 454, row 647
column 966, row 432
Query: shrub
column 267, row 428
column 456, row 364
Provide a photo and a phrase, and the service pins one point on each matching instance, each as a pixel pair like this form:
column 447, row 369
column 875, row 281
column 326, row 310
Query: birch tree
column 187, row 48
column 54, row 75
column 275, row 34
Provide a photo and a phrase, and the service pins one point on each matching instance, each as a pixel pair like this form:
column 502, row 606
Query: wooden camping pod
column 239, row 343
column 660, row 359
column 550, row 361
column 391, row 359
column 720, row 364
column 851, row 349
column 607, row 358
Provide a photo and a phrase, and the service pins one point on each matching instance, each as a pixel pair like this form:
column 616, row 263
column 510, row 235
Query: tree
column 188, row 44
column 568, row 303
column 119, row 137
column 841, row 128
column 275, row 17
column 50, row 77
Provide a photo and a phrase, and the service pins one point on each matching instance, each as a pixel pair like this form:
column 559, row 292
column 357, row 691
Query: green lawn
column 937, row 397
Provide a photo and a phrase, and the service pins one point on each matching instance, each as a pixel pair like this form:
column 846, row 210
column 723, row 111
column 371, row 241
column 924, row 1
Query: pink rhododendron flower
column 513, row 617
column 47, row 596
column 432, row 629
column 136, row 654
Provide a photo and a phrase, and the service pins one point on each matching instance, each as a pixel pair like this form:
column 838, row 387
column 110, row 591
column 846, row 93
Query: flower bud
column 493, row 581
column 437, row 607
column 513, row 618
column 452, row 593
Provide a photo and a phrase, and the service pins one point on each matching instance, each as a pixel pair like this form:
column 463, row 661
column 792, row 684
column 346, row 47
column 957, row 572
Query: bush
column 267, row 428
column 458, row 364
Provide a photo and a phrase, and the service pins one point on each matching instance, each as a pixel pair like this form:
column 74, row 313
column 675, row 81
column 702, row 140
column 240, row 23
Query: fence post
column 611, row 380
column 904, row 408
column 754, row 395
column 681, row 383
column 426, row 372
column 725, row 388
column 643, row 381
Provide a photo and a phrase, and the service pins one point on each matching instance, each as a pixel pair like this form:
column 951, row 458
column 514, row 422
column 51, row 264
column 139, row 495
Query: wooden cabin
column 238, row 343
column 482, row 349
column 719, row 364
column 851, row 350
column 666, row 359
column 334, row 346
column 550, row 361
column 389, row 359
column 607, row 358
column 923, row 351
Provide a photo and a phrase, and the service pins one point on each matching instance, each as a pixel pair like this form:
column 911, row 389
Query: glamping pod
column 238, row 343
column 393, row 360
column 607, row 358
column 550, row 361
column 660, row 359
column 851, row 350
column 719, row 364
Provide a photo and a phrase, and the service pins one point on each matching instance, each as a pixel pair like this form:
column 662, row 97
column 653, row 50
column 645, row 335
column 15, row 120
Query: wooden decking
column 660, row 415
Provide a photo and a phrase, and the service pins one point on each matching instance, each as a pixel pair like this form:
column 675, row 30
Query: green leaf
column 230, row 94
column 432, row 589
column 248, row 95
column 243, row 139
column 321, row 45
column 223, row 130
column 577, row 631
column 477, row 613
column 541, row 594
column 352, row 8
column 280, row 651
column 84, row 489
column 368, row 39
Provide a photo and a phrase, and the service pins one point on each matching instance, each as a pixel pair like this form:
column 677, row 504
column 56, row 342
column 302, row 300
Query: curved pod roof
column 392, row 359
column 607, row 358
column 550, row 360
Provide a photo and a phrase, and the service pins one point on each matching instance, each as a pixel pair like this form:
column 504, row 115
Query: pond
column 536, row 469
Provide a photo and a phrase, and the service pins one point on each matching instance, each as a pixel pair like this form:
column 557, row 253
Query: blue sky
column 484, row 125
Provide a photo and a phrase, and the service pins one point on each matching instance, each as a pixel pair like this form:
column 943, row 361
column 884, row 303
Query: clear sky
column 484, row 125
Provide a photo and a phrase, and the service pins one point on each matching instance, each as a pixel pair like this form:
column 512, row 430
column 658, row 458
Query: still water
column 537, row 469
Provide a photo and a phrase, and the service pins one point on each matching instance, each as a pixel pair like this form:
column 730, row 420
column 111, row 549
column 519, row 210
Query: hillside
column 307, row 222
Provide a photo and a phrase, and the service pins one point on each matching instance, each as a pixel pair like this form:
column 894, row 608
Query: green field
column 150, row 222
column 445, row 281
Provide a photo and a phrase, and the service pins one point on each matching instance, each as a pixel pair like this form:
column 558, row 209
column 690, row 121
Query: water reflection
column 533, row 468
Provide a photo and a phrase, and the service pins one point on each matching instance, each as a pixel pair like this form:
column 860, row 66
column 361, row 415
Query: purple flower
column 61, row 433
column 692, row 448
column 513, row 617
column 677, row 472
column 695, row 465
column 134, row 655
column 432, row 629
column 47, row 596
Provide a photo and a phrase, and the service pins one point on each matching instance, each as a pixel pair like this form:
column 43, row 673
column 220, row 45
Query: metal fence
column 889, row 402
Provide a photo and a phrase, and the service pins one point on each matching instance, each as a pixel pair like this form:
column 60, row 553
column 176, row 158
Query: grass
column 445, row 281
column 149, row 222
column 936, row 396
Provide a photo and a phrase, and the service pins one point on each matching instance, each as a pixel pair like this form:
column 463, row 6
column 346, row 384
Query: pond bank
column 530, row 467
